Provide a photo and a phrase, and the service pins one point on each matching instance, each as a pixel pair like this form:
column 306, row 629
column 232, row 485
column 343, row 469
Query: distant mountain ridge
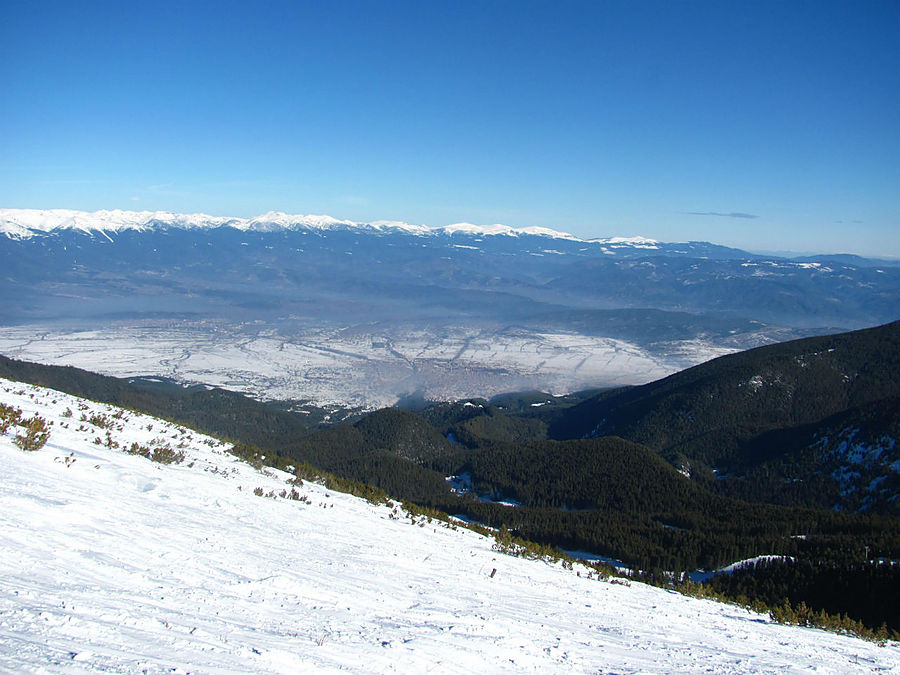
column 405, row 306
column 23, row 223
column 26, row 223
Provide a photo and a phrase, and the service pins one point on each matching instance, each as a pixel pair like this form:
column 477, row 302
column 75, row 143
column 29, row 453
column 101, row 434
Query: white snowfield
column 113, row 563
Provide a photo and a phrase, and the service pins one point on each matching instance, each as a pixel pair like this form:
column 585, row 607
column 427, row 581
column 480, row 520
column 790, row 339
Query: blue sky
column 765, row 125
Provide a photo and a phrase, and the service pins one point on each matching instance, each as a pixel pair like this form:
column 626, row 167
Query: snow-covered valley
column 354, row 366
column 114, row 563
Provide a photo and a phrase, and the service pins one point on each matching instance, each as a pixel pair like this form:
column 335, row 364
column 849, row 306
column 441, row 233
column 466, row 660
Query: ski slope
column 113, row 563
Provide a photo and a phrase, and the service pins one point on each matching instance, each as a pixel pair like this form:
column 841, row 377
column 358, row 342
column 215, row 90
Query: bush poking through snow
column 99, row 420
column 37, row 432
column 163, row 454
column 9, row 416
column 166, row 455
column 137, row 449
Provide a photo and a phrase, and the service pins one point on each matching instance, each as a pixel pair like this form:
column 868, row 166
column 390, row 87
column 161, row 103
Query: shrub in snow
column 98, row 420
column 36, row 434
column 166, row 455
column 8, row 417
column 163, row 454
column 137, row 449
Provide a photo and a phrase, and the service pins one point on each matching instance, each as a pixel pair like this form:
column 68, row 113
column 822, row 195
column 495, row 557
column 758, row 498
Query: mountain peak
column 472, row 229
column 637, row 242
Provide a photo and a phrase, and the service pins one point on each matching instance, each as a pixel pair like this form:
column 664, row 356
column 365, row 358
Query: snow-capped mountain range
column 404, row 306
column 23, row 223
column 115, row 563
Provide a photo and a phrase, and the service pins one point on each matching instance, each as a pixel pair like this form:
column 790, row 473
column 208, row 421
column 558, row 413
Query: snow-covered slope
column 111, row 562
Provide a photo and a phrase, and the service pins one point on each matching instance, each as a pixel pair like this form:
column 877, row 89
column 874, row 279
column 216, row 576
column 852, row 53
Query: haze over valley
column 312, row 309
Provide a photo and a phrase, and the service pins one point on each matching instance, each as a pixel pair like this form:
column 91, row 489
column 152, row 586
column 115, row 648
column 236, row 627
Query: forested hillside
column 765, row 416
column 220, row 411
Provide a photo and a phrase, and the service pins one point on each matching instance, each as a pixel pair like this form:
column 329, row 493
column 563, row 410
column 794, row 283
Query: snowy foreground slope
column 110, row 562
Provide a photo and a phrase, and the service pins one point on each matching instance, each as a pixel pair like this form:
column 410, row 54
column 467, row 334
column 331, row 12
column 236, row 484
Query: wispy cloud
column 733, row 214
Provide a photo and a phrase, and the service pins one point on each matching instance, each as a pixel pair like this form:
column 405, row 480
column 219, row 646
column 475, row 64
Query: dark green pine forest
column 786, row 450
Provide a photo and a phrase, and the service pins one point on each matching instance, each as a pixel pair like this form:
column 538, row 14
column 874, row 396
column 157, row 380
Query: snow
column 460, row 484
column 547, row 232
column 25, row 223
column 400, row 226
column 755, row 383
column 859, row 456
column 740, row 564
column 113, row 563
column 595, row 557
column 277, row 220
column 637, row 242
column 354, row 368
column 469, row 228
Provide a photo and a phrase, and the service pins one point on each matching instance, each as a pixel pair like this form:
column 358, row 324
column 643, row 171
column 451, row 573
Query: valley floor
column 113, row 563
column 365, row 366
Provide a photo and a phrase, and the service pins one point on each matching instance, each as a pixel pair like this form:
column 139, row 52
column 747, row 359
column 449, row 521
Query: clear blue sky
column 766, row 125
